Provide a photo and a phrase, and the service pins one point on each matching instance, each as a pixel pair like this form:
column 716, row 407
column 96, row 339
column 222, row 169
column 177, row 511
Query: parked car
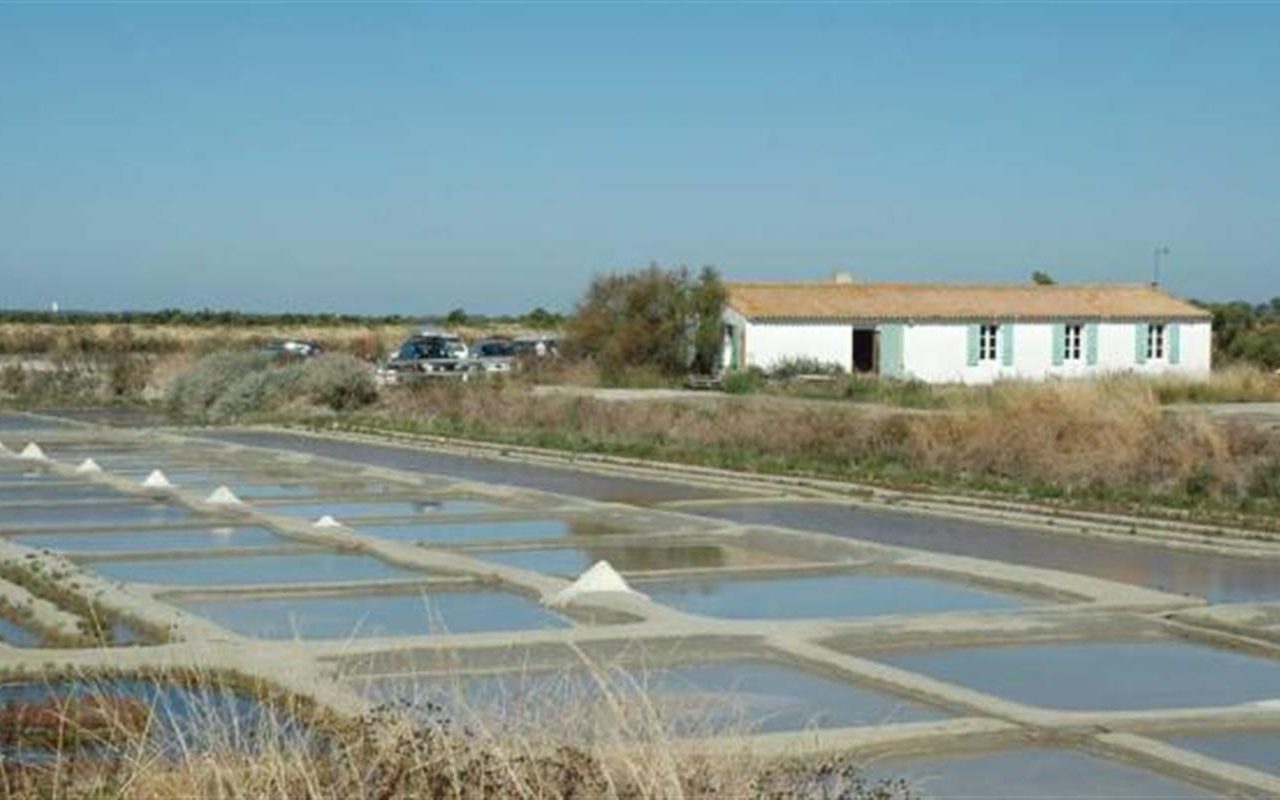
column 494, row 355
column 539, row 346
column 451, row 341
column 290, row 349
column 428, row 353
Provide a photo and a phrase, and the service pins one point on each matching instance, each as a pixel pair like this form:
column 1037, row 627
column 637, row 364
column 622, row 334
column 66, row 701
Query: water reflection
column 1216, row 578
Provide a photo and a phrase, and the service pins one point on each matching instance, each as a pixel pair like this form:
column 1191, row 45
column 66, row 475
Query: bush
column 664, row 320
column 340, row 382
column 228, row 386
column 194, row 392
column 258, row 391
column 795, row 366
column 747, row 381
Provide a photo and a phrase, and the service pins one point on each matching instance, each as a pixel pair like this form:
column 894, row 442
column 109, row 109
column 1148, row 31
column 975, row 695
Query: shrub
column 128, row 375
column 747, row 381
column 228, row 386
column 256, row 391
column 338, row 381
column 794, row 366
column 665, row 320
column 193, row 392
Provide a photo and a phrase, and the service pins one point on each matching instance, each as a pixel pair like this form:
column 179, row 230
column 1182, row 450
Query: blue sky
column 414, row 158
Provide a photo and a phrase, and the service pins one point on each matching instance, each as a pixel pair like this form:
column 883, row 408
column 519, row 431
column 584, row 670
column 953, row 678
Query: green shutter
column 974, row 333
column 1091, row 343
column 1059, row 344
column 1006, row 344
column 1140, row 343
column 892, row 361
column 1174, row 331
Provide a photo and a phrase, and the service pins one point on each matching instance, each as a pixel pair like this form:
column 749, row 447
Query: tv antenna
column 1157, row 257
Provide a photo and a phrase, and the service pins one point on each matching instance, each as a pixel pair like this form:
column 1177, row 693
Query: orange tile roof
column 915, row 301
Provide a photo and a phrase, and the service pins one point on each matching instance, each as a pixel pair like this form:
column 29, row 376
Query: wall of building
column 939, row 352
column 768, row 344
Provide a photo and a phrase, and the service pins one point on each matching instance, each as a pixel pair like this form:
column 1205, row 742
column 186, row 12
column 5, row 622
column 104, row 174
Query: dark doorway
column 865, row 352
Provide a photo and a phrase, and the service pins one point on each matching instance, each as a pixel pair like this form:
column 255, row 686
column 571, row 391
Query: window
column 1155, row 342
column 988, row 336
column 1073, row 343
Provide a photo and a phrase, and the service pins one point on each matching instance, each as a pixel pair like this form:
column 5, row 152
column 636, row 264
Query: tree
column 661, row 319
column 542, row 318
column 458, row 316
column 1041, row 278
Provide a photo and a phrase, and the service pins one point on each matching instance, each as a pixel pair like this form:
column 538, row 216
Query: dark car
column 428, row 353
column 494, row 355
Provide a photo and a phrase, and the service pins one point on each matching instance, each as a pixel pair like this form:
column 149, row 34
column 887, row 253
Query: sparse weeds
column 199, row 737
column 98, row 626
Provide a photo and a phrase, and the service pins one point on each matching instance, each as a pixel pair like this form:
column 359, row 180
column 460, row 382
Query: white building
column 966, row 334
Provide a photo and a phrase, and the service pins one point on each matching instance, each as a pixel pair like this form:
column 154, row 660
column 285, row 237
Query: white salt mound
column 3, row 449
column 157, row 480
column 88, row 466
column 327, row 522
column 223, row 496
column 602, row 577
column 32, row 452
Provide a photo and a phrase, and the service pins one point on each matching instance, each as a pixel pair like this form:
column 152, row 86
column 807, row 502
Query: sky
column 413, row 158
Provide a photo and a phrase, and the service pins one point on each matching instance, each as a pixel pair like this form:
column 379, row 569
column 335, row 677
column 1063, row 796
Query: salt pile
column 88, row 466
column 157, row 480
column 223, row 496
column 602, row 577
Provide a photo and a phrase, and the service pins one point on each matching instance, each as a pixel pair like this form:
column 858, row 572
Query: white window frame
column 988, row 343
column 1157, row 341
column 1073, row 343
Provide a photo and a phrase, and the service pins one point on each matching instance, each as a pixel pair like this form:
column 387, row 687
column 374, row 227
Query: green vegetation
column 665, row 320
column 744, row 381
column 233, row 385
column 211, row 318
column 1243, row 332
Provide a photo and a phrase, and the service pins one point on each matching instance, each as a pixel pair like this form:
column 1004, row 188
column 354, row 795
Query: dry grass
column 210, row 741
column 1107, row 437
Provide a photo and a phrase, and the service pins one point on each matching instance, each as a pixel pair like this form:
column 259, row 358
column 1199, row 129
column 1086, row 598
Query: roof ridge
column 815, row 284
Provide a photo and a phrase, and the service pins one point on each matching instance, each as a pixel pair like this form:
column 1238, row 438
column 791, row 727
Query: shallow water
column 177, row 716
column 355, row 616
column 154, row 540
column 1108, row 676
column 714, row 698
column 496, row 531
column 573, row 561
column 830, row 595
column 55, row 492
column 1031, row 773
column 551, row 479
column 19, row 422
column 13, row 634
column 1258, row 750
column 1219, row 579
column 308, row 567
column 346, row 510
column 98, row 515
